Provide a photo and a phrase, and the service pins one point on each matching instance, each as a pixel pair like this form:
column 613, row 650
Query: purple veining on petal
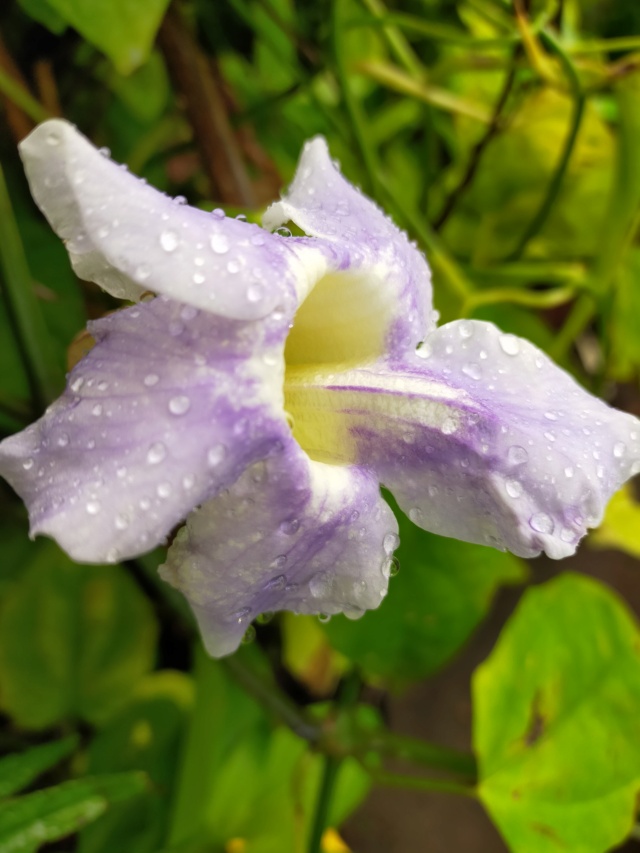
column 485, row 439
column 290, row 534
column 169, row 407
column 325, row 205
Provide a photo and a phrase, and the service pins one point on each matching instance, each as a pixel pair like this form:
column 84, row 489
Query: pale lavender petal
column 129, row 238
column 479, row 436
column 290, row 534
column 168, row 408
column 390, row 273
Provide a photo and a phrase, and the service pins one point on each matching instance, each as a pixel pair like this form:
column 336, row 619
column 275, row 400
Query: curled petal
column 169, row 407
column 375, row 275
column 478, row 435
column 290, row 534
column 129, row 238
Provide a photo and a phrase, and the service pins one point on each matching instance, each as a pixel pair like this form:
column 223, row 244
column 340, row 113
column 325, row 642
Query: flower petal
column 290, row 534
column 169, row 407
column 129, row 238
column 482, row 438
column 390, row 275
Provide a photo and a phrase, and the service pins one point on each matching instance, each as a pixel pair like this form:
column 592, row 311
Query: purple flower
column 270, row 388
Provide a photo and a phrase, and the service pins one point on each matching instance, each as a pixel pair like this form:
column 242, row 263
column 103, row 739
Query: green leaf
column 619, row 528
column 19, row 770
column 123, row 30
column 242, row 778
column 556, row 719
column 623, row 330
column 30, row 821
column 147, row 736
column 74, row 640
column 442, row 592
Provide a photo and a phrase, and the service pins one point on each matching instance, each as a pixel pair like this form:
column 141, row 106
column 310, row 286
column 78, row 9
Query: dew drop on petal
column 63, row 439
column 216, row 454
column 320, row 585
column 517, row 455
column 187, row 481
column 255, row 292
column 151, row 379
column 169, row 241
column 52, row 138
column 509, row 344
column 415, row 514
column 568, row 472
column 163, row 490
column 179, row 405
column 424, row 351
column 290, row 526
column 141, row 273
column 541, row 522
column 513, row 488
column 233, row 267
column 257, row 239
column 324, row 618
column 156, row 453
column 218, row 213
column 465, row 329
column 567, row 535
column 121, row 521
column 551, row 416
column 220, row 243
column 96, row 410
column 93, row 507
column 27, row 464
column 278, row 582
column 77, row 384
column 472, row 370
column 279, row 562
column 619, row 449
column 390, row 543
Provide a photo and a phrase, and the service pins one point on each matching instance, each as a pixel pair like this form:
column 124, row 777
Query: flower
column 270, row 388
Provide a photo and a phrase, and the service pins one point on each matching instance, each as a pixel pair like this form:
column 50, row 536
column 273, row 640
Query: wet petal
column 130, row 238
column 479, row 436
column 290, row 534
column 386, row 275
column 169, row 407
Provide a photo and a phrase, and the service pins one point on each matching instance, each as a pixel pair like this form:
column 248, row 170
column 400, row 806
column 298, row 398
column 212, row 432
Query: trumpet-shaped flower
column 270, row 388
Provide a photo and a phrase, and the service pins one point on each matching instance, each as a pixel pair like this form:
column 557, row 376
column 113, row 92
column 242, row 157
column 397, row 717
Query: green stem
column 21, row 98
column 271, row 698
column 574, row 128
column 577, row 321
column 420, row 783
column 323, row 804
column 31, row 331
column 351, row 103
column 398, row 44
column 530, row 298
column 401, row 747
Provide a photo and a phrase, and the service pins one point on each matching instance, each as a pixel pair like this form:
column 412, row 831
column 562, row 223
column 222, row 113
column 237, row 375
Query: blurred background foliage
column 503, row 136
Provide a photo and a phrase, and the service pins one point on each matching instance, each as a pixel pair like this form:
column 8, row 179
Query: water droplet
column 151, row 379
column 63, row 439
column 257, row 239
column 233, row 267
column 567, row 535
column 121, row 473
column 77, row 383
column 415, row 514
column 551, row 416
column 355, row 515
column 320, row 585
column 102, row 386
column 517, row 455
column 145, row 504
column 509, row 344
column 279, row 562
column 27, row 464
column 279, row 581
column 218, row 213
column 169, row 241
column 156, row 453
column 52, row 138
column 449, row 426
column 424, row 351
column 433, row 491
column 619, row 449
column 264, row 618
column 390, row 543
column 283, row 232
column 255, row 292
column 219, row 243
column 216, row 454
column 93, row 507
column 568, row 472
column 324, row 618
column 187, row 481
column 179, row 405
column 465, row 329
column 248, row 636
column 121, row 521
column 550, row 436
column 163, row 490
column 541, row 522
column 600, row 472
column 242, row 615
column 472, row 370
column 290, row 526
column 142, row 273
column 96, row 411
column 513, row 488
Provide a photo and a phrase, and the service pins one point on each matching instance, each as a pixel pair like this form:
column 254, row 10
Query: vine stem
column 420, row 783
